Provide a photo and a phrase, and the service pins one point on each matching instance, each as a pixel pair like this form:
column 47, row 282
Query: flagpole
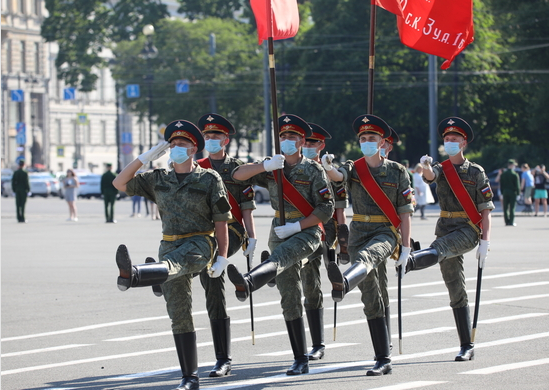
column 371, row 59
column 276, row 128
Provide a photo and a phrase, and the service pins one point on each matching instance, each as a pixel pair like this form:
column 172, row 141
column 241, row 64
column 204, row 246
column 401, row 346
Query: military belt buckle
column 367, row 218
column 449, row 214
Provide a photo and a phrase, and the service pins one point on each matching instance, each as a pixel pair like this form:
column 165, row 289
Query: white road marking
column 410, row 385
column 507, row 367
column 50, row 349
column 289, row 352
column 512, row 318
column 442, row 293
column 524, row 285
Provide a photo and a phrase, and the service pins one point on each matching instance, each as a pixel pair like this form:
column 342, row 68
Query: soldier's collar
column 465, row 166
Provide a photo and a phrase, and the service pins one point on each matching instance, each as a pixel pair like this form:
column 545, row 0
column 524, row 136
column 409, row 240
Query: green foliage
column 200, row 9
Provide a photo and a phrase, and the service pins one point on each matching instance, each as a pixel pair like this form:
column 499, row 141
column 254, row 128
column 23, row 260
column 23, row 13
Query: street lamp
column 149, row 52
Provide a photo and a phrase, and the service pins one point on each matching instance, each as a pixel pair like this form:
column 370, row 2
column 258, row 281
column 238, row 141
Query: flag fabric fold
column 278, row 19
column 393, row 6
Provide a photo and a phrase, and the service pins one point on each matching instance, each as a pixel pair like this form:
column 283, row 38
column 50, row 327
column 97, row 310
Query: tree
column 84, row 28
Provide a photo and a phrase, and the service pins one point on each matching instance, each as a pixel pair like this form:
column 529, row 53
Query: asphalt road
column 65, row 325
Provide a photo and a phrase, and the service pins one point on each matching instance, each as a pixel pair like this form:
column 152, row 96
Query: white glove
column 218, row 267
column 249, row 252
column 482, row 252
column 403, row 260
column 327, row 162
column 276, row 162
column 287, row 230
column 155, row 152
column 426, row 161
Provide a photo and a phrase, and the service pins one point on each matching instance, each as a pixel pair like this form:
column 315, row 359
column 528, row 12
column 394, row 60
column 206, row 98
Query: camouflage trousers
column 288, row 254
column 373, row 251
column 310, row 273
column 451, row 248
column 184, row 258
column 214, row 288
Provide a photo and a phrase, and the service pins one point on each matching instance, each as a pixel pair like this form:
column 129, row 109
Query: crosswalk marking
column 410, row 385
column 507, row 367
column 289, row 352
column 522, row 285
column 50, row 349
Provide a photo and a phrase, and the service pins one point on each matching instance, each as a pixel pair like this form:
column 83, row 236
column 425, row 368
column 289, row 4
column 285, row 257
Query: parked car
column 40, row 184
column 6, row 182
column 261, row 194
column 90, row 185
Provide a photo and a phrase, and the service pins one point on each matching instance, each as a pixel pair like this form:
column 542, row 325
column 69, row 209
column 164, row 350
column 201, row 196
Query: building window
column 21, row 6
column 8, row 56
column 59, row 130
column 88, row 133
column 35, row 7
column 36, row 57
column 103, row 132
column 23, row 57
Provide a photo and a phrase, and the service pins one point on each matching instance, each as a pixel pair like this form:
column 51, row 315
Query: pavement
column 65, row 325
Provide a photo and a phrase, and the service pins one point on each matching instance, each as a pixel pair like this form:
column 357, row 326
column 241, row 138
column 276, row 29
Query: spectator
column 423, row 191
column 109, row 193
column 136, row 204
column 540, row 192
column 510, row 189
column 527, row 185
column 70, row 184
column 21, row 186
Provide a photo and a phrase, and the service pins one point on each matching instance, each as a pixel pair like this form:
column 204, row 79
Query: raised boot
column 251, row 281
column 157, row 290
column 138, row 275
column 185, row 344
column 343, row 283
column 421, row 259
column 221, row 333
column 315, row 318
column 463, row 324
column 380, row 341
column 296, row 331
column 264, row 257
column 343, row 241
column 388, row 323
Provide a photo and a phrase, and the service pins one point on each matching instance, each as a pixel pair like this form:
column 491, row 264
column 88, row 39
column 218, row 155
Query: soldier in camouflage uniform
column 456, row 234
column 310, row 273
column 298, row 238
column 372, row 239
column 216, row 130
column 194, row 206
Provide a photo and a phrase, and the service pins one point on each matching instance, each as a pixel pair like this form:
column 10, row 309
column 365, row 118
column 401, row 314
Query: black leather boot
column 315, row 318
column 343, row 283
column 264, row 257
column 221, row 333
column 157, row 290
column 296, row 331
column 343, row 241
column 380, row 340
column 253, row 280
column 422, row 259
column 388, row 323
column 138, row 275
column 463, row 324
column 185, row 344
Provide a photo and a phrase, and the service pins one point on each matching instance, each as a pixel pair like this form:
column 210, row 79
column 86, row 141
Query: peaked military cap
column 184, row 129
column 294, row 124
column 319, row 134
column 215, row 123
column 456, row 125
column 371, row 124
column 393, row 138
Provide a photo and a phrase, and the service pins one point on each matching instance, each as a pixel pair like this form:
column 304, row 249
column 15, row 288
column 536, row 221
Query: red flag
column 278, row 19
column 439, row 27
column 393, row 6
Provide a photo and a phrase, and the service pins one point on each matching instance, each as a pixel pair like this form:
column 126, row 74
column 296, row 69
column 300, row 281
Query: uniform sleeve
column 142, row 185
column 405, row 193
column 219, row 199
column 437, row 170
column 346, row 169
column 322, row 196
column 340, row 195
column 483, row 198
column 260, row 179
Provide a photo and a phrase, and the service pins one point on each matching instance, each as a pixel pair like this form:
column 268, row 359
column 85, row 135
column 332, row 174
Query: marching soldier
column 194, row 207
column 382, row 198
column 216, row 130
column 308, row 204
column 21, row 186
column 465, row 198
column 310, row 273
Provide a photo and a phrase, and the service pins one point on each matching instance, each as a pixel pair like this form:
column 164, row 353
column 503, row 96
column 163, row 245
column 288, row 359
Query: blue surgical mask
column 382, row 152
column 309, row 152
column 369, row 148
column 288, row 147
column 452, row 148
column 179, row 154
column 212, row 145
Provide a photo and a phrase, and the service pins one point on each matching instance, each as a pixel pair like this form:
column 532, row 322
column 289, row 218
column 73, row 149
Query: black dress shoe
column 316, row 353
column 222, row 367
column 467, row 352
column 382, row 367
column 300, row 366
column 188, row 383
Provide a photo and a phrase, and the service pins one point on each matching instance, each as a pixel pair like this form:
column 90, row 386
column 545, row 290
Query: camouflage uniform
column 373, row 243
column 457, row 236
column 244, row 195
column 310, row 180
column 310, row 273
column 192, row 206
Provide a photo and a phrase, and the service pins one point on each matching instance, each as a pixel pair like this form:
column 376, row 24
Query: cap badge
column 210, row 118
column 365, row 119
column 451, row 122
column 287, row 120
column 178, row 124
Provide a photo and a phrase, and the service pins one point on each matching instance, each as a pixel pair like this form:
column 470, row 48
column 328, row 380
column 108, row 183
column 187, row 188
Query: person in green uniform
column 21, row 187
column 194, row 210
column 509, row 184
column 310, row 272
column 298, row 238
column 455, row 233
column 109, row 193
column 373, row 238
column 216, row 130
